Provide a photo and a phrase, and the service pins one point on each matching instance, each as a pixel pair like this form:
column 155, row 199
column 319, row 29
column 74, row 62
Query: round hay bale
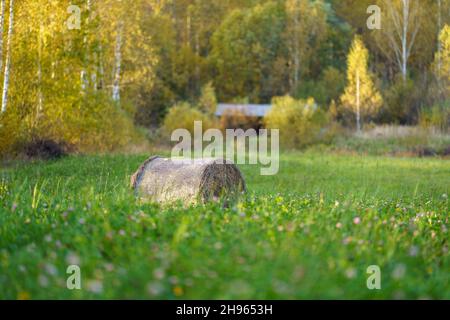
column 188, row 181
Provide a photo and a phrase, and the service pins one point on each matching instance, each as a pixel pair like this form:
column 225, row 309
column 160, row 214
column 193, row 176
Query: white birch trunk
column 84, row 74
column 2, row 23
column 296, row 47
column 439, row 55
column 197, row 66
column 404, row 38
column 8, row 58
column 94, row 73
column 358, row 102
column 118, row 64
column 406, row 24
column 101, row 70
column 40, row 107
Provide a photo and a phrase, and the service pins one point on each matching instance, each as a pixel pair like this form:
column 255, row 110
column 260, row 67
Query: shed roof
column 252, row 110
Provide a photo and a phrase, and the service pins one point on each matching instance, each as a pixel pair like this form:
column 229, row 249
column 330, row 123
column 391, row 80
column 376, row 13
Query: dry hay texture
column 188, row 181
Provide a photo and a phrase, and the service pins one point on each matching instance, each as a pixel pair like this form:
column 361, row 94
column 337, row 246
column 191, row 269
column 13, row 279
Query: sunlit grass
column 309, row 232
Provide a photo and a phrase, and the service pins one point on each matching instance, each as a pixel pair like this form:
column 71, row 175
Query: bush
column 328, row 88
column 93, row 124
column 208, row 100
column 402, row 102
column 236, row 119
column 437, row 117
column 10, row 132
column 301, row 122
column 45, row 150
column 183, row 116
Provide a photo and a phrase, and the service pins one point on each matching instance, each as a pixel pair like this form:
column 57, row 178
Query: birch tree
column 439, row 60
column 2, row 22
column 8, row 58
column 401, row 24
column 40, row 94
column 442, row 64
column 118, row 63
column 443, row 19
column 305, row 28
column 360, row 96
column 84, row 73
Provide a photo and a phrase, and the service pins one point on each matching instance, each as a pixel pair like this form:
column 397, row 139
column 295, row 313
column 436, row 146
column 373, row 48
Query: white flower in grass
column 399, row 271
column 159, row 273
column 189, row 282
column 73, row 259
column 399, row 295
column 414, row 251
column 50, row 269
column 109, row 267
column 350, row 273
column 173, row 280
column 155, row 288
column 43, row 281
column 95, row 286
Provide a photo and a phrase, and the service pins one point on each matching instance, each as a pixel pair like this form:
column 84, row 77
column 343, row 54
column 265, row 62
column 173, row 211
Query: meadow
column 309, row 232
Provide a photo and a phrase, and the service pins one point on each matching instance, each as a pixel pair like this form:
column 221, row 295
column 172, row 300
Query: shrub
column 328, row 88
column 10, row 132
column 93, row 124
column 437, row 117
column 402, row 102
column 208, row 100
column 301, row 122
column 183, row 116
column 236, row 119
column 45, row 149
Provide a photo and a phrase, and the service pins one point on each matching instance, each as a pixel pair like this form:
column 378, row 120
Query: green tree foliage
column 208, row 100
column 402, row 101
column 61, row 78
column 305, row 29
column 244, row 50
column 131, row 60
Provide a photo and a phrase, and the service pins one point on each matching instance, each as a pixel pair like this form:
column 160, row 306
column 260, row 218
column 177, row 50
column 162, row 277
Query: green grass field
column 309, row 232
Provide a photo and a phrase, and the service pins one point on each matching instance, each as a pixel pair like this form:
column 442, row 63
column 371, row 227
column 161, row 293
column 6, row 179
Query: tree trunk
column 358, row 102
column 296, row 47
column 84, row 73
column 2, row 22
column 439, row 62
column 118, row 58
column 8, row 58
column 94, row 73
column 406, row 25
column 101, row 70
column 40, row 107
column 405, row 38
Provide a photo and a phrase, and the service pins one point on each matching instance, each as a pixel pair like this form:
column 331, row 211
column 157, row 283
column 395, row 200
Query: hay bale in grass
column 189, row 181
